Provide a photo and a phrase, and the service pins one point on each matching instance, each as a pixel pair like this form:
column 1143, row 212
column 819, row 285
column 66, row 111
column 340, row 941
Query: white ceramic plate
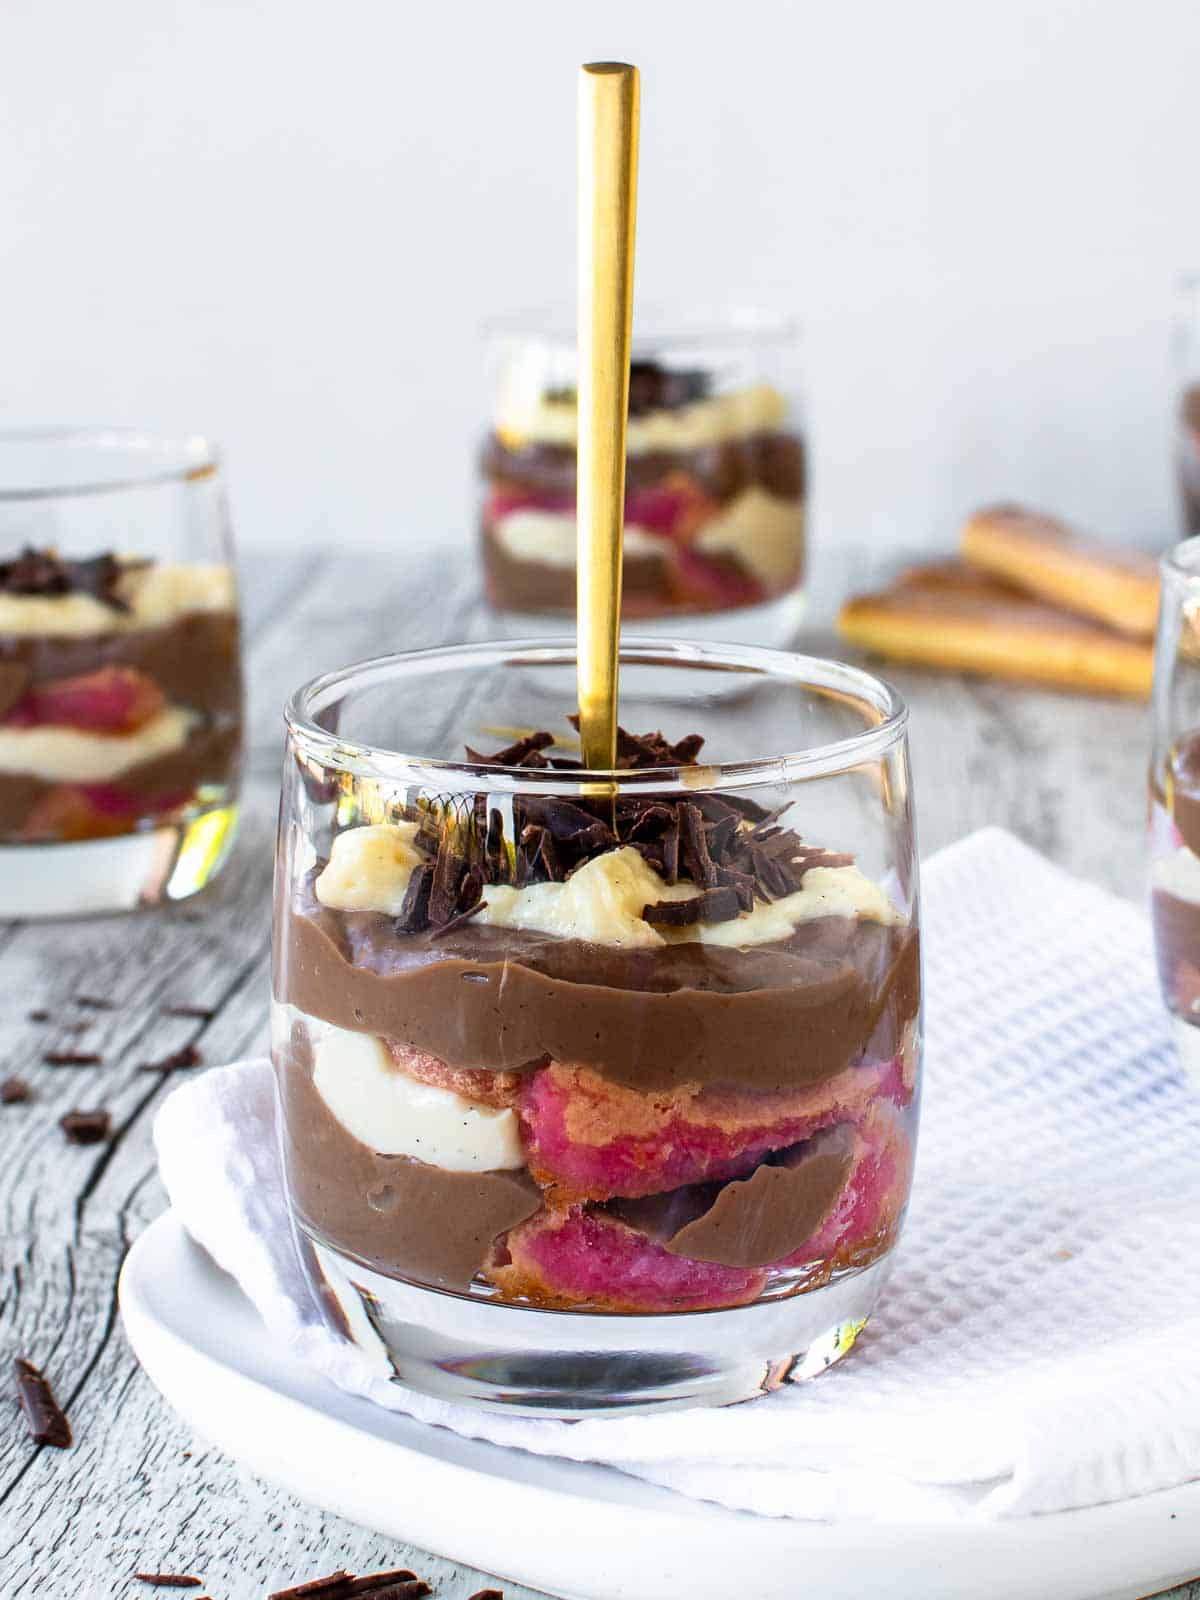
column 586, row 1532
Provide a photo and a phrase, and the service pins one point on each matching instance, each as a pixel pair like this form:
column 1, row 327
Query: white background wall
column 281, row 221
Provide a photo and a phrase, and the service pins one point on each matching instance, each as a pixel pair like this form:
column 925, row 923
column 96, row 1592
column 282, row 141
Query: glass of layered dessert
column 597, row 1091
column 120, row 672
column 714, row 486
column 1175, row 799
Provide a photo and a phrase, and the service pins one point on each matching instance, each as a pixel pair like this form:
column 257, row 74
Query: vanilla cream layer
column 395, row 1115
column 526, row 416
column 761, row 530
column 58, row 754
column 549, row 538
column 601, row 903
column 1179, row 874
column 156, row 595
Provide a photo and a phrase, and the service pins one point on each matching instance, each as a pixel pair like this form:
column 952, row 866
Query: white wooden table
column 138, row 1491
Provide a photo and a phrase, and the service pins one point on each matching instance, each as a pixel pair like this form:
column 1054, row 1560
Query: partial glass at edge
column 1174, row 799
column 716, row 483
column 120, row 679
column 535, row 1171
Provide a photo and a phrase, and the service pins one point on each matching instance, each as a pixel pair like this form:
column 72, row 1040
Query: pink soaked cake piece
column 589, row 1139
column 580, row 1257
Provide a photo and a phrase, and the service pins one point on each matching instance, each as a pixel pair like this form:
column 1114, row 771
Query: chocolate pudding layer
column 496, row 1000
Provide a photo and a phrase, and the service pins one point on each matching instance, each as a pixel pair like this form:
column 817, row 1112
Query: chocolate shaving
column 400, row 1584
column 85, row 1127
column 712, row 905
column 448, row 870
column 487, row 1594
column 39, row 1016
column 93, row 1002
column 196, row 1013
column 44, row 1417
column 169, row 1580
column 514, row 755
column 186, row 1056
column 72, row 1058
column 43, row 572
column 414, row 908
column 568, row 822
column 457, row 922
column 701, row 866
column 14, row 1092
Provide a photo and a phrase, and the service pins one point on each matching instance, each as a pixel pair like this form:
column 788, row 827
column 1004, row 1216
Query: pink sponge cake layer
column 580, row 1257
column 589, row 1139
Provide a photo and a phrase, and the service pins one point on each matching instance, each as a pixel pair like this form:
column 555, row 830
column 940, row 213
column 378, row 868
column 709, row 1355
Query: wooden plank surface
column 138, row 1490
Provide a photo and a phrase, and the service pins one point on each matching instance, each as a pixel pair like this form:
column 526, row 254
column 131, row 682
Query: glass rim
column 552, row 323
column 168, row 458
column 811, row 672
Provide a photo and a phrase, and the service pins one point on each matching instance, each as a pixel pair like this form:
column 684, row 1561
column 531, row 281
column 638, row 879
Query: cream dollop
column 59, row 754
column 369, row 868
column 395, row 1115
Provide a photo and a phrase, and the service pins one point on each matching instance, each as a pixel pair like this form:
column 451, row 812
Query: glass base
column 94, row 876
column 774, row 624
column 521, row 1360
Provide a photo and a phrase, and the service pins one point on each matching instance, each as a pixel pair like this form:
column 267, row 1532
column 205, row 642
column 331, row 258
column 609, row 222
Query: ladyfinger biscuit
column 1114, row 585
column 950, row 617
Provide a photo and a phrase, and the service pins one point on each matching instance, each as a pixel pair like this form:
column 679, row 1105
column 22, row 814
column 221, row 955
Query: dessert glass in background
column 1187, row 414
column 715, row 487
column 597, row 1091
column 120, row 671
column 1175, row 799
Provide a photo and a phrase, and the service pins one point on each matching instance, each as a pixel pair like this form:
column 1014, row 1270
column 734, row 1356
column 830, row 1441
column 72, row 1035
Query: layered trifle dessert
column 643, row 1053
column 120, row 694
column 714, row 487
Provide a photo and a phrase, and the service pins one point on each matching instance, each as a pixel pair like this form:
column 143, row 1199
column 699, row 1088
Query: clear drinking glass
column 597, row 1091
column 1175, row 798
column 715, row 490
column 120, row 671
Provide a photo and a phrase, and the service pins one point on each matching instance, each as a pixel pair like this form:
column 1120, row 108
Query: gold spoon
column 608, row 153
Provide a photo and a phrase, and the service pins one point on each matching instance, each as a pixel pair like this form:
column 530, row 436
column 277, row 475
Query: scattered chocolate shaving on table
column 85, row 1127
column 93, row 1002
column 487, row 1594
column 44, row 1417
column 196, row 1013
column 169, row 1580
column 39, row 1016
column 186, row 1056
column 44, row 572
column 400, row 1584
column 14, row 1092
column 72, row 1058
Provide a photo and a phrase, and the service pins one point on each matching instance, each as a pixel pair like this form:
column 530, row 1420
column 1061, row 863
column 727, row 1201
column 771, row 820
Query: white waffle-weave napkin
column 1038, row 1346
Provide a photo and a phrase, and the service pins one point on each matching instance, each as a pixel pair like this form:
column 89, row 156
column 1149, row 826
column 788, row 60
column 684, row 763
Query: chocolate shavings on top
column 732, row 849
column 85, row 1127
column 44, row 572
column 44, row 1417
